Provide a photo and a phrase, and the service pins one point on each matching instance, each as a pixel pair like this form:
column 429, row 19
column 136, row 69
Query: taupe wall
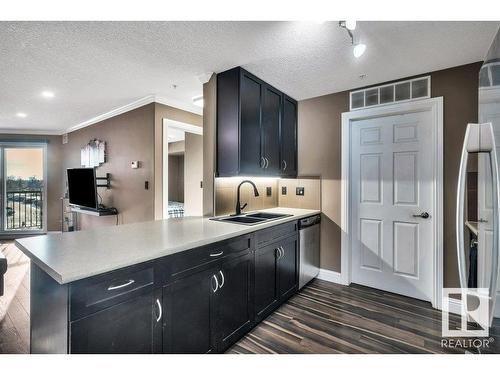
column 161, row 112
column 128, row 137
column 319, row 153
column 54, row 174
column 322, row 154
column 193, row 175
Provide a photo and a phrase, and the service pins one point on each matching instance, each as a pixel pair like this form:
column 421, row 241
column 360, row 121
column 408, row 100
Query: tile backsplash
column 225, row 193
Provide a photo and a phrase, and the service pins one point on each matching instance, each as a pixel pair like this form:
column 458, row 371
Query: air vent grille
column 403, row 91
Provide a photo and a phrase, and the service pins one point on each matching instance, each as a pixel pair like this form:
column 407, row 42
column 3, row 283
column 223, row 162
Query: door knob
column 423, row 215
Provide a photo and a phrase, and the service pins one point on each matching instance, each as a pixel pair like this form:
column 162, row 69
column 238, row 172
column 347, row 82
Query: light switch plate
column 269, row 191
column 299, row 191
column 283, row 190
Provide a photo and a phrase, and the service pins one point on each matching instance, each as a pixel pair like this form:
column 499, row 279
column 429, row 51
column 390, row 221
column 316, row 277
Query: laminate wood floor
column 322, row 318
column 330, row 318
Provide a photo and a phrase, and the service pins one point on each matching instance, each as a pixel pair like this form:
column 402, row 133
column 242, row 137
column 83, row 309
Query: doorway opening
column 182, row 169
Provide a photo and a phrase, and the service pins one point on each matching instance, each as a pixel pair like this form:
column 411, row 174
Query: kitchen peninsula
column 187, row 285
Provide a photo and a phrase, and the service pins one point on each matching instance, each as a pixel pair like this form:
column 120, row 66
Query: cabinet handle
column 267, row 163
column 216, row 284
column 284, row 165
column 113, row 287
column 217, row 254
column 159, row 310
column 282, row 252
column 222, row 282
column 262, row 162
column 278, row 253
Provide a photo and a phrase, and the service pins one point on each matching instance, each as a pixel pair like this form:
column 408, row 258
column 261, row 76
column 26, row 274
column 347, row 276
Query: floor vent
column 397, row 92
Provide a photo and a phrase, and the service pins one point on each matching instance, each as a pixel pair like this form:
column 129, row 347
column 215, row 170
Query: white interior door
column 391, row 181
column 489, row 111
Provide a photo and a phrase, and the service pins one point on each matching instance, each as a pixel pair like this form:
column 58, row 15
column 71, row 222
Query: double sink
column 252, row 218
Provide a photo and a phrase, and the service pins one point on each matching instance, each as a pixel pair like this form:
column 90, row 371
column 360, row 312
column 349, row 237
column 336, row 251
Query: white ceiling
column 97, row 67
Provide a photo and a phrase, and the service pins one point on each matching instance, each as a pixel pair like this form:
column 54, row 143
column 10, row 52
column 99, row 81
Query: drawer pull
column 217, row 254
column 113, row 287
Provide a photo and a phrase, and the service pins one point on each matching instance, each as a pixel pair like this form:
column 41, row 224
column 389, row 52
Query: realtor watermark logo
column 469, row 327
column 474, row 312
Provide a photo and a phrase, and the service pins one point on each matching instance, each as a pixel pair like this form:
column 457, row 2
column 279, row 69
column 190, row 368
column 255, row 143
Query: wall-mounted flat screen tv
column 82, row 187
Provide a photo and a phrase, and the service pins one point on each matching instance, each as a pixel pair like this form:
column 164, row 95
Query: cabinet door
column 289, row 138
column 266, row 280
column 250, row 125
column 271, row 115
column 189, row 314
column 234, row 300
column 133, row 326
column 288, row 268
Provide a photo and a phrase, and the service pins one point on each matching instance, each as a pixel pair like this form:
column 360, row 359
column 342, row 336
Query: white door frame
column 435, row 106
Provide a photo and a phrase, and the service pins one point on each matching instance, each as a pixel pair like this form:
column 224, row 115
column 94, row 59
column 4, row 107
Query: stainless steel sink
column 243, row 220
column 251, row 219
column 267, row 215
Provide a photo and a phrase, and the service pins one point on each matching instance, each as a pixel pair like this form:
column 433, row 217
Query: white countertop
column 73, row 256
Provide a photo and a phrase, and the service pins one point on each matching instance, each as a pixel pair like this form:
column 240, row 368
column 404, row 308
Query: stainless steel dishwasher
column 309, row 249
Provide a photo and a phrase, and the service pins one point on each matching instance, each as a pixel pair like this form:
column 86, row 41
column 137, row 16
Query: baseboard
column 332, row 276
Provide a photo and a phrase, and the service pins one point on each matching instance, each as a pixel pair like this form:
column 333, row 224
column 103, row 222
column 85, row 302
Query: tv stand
column 111, row 211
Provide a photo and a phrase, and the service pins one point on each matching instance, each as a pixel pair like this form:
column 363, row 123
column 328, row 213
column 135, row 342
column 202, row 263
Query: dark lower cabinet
column 161, row 307
column 133, row 326
column 288, row 268
column 234, row 300
column 266, row 281
column 189, row 320
column 276, row 275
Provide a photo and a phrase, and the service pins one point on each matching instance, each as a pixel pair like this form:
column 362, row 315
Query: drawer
column 190, row 260
column 97, row 293
column 272, row 234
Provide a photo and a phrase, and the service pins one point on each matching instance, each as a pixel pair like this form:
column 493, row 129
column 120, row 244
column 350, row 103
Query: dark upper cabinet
column 250, row 133
column 234, row 300
column 133, row 326
column 250, row 147
column 189, row 320
column 271, row 117
column 289, row 138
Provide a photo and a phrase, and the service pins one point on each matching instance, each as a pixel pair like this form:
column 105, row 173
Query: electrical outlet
column 299, row 191
column 269, row 191
column 283, row 190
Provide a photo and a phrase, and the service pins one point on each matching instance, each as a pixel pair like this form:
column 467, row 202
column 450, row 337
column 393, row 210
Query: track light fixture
column 350, row 26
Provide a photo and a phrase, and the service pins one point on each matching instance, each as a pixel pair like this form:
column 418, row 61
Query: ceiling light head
column 198, row 100
column 21, row 114
column 47, row 94
column 359, row 49
column 350, row 25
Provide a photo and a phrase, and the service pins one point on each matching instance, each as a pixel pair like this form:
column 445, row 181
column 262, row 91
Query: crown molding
column 114, row 112
column 179, row 105
column 133, row 105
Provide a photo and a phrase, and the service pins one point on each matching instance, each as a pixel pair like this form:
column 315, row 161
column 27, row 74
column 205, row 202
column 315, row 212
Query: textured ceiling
column 96, row 67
